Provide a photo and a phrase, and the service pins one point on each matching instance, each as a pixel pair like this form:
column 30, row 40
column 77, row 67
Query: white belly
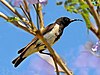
column 51, row 36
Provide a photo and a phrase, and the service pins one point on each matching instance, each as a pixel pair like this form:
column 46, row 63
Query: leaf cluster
column 87, row 9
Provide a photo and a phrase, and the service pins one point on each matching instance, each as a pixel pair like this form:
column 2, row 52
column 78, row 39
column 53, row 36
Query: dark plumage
column 51, row 33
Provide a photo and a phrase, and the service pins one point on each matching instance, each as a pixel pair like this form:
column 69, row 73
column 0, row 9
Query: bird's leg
column 41, row 51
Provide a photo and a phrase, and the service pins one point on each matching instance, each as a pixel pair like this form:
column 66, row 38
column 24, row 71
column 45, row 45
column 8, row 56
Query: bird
column 51, row 33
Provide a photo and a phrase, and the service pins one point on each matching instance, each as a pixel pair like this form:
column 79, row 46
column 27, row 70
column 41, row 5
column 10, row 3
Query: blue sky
column 68, row 47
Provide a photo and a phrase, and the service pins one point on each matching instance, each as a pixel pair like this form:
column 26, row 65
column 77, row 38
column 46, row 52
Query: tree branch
column 17, row 24
column 16, row 13
column 95, row 15
column 39, row 11
column 11, row 8
column 94, row 30
column 56, row 66
column 28, row 12
column 25, row 13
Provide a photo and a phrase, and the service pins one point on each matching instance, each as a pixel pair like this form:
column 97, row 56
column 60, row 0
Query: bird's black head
column 65, row 21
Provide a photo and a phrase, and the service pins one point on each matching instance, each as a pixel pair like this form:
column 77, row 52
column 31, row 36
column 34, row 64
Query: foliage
column 86, row 9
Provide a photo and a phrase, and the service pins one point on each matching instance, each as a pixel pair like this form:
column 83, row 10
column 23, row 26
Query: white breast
column 55, row 29
column 50, row 37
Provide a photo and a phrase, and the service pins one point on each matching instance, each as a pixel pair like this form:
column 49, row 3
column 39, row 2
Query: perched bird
column 51, row 33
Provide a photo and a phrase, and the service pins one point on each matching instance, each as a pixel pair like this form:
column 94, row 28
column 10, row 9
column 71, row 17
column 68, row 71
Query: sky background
column 69, row 47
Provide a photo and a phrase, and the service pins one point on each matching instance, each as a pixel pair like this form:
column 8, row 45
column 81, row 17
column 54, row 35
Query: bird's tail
column 17, row 61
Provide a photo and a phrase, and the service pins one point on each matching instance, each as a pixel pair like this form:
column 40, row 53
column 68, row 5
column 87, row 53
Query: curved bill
column 76, row 20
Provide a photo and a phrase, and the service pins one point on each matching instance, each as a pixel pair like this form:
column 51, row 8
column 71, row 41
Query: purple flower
column 37, row 1
column 18, row 2
column 96, row 49
column 43, row 1
column 33, row 1
column 87, row 59
column 15, row 3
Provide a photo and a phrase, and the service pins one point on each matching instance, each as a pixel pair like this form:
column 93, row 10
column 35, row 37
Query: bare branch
column 56, row 66
column 17, row 23
column 11, row 8
column 39, row 12
column 16, row 13
column 28, row 12
column 94, row 30
column 24, row 12
column 24, row 20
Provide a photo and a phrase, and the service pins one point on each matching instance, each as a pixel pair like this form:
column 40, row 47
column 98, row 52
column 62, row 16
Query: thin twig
column 17, row 24
column 28, row 12
column 38, row 16
column 39, row 11
column 56, row 66
column 26, row 6
column 11, row 8
column 16, row 13
column 27, row 9
column 94, row 30
column 25, row 21
column 98, row 7
column 24, row 12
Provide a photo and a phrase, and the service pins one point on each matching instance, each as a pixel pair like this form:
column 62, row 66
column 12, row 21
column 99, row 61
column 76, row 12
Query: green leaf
column 75, row 11
column 87, row 19
column 13, row 19
column 84, row 6
column 74, row 2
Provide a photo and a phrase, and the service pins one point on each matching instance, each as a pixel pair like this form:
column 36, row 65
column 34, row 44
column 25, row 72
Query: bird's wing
column 28, row 46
